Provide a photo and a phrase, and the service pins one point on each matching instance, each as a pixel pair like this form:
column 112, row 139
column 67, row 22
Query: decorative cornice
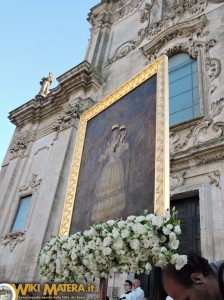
column 109, row 12
column 13, row 238
column 82, row 77
column 208, row 132
column 207, row 159
column 215, row 1
column 191, row 29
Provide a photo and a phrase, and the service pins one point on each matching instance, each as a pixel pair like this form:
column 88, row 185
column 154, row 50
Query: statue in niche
column 45, row 83
column 110, row 194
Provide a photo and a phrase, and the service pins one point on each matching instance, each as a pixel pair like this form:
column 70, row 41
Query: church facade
column 126, row 36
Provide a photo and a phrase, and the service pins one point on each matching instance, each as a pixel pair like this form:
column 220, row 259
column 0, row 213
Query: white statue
column 45, row 83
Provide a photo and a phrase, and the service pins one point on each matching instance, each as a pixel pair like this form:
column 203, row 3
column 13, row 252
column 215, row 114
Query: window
column 21, row 214
column 183, row 86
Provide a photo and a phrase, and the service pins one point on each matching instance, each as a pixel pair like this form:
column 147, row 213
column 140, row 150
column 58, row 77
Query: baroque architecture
column 125, row 37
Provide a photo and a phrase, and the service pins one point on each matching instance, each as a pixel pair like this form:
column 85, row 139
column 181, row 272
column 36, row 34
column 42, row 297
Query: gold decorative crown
column 115, row 126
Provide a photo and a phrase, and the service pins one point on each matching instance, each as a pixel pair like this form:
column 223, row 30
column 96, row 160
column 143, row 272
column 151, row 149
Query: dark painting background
column 136, row 110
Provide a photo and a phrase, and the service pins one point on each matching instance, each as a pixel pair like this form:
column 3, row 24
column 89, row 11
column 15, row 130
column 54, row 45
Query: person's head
column 136, row 283
column 194, row 281
column 127, row 285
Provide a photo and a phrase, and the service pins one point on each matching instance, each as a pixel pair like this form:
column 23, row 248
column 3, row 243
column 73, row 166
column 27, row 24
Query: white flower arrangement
column 136, row 245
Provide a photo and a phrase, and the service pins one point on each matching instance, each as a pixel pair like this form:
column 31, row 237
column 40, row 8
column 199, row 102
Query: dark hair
column 195, row 264
column 129, row 282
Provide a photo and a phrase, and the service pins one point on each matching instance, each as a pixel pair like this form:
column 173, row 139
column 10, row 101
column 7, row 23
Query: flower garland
column 135, row 245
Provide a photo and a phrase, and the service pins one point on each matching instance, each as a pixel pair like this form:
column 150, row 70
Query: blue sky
column 37, row 37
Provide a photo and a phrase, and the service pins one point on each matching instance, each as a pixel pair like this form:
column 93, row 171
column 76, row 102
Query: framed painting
column 120, row 165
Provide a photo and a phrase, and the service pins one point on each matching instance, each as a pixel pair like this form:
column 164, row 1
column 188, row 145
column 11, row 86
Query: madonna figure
column 110, row 195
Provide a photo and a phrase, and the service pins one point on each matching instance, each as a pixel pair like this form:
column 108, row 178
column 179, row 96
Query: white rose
column 156, row 251
column 42, row 258
column 148, row 267
column 139, row 228
column 107, row 241
column 91, row 245
column 118, row 244
column 174, row 244
column 170, row 226
column 140, row 219
column 107, row 251
column 98, row 241
column 172, row 236
column 163, row 250
column 157, row 221
column 149, row 217
column 124, row 233
column 58, row 266
column 181, row 260
column 153, row 241
column 115, row 233
column 121, row 224
column 65, row 273
column 47, row 259
column 146, row 243
column 177, row 229
column 166, row 230
column 131, row 218
column 134, row 244
column 110, row 222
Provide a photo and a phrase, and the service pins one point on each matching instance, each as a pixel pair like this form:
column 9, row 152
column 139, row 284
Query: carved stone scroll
column 18, row 148
column 66, row 119
column 214, row 178
column 177, row 180
column 213, row 68
column 13, row 238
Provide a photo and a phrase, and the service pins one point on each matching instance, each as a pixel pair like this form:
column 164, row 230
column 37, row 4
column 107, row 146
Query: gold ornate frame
column 161, row 189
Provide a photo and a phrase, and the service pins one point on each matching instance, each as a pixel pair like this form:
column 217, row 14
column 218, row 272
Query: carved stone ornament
column 32, row 185
column 18, row 148
column 215, row 1
column 177, row 180
column 125, row 48
column 13, row 238
column 213, row 68
column 214, row 178
column 112, row 12
column 163, row 27
column 66, row 119
column 206, row 132
column 211, row 158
